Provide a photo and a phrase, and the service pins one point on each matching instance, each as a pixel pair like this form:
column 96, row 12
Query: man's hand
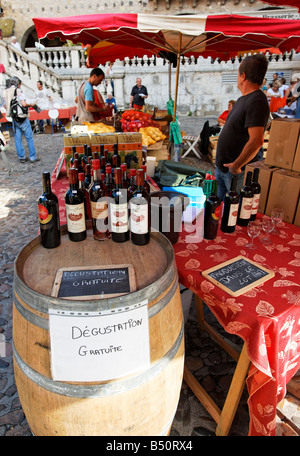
column 232, row 168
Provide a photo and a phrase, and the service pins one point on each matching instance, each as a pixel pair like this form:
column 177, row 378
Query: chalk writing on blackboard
column 238, row 275
column 94, row 282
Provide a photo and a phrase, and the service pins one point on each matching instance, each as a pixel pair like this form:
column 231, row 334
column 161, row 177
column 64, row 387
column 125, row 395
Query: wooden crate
column 161, row 151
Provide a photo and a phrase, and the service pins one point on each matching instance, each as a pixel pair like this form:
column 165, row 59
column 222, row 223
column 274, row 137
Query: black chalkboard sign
column 94, row 282
column 238, row 275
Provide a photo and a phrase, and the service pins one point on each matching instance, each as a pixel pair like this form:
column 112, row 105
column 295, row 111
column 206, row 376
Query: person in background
column 23, row 127
column 293, row 95
column 16, row 45
column 138, row 95
column 111, row 101
column 283, row 88
column 109, row 72
column 222, row 118
column 264, row 86
column 274, row 90
column 275, row 78
column 243, row 133
column 43, row 100
column 87, row 108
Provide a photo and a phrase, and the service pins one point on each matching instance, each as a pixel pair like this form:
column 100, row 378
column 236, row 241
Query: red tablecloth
column 267, row 317
column 66, row 113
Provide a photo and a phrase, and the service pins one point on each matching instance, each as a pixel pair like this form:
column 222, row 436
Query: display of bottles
column 139, row 205
column 48, row 215
column 119, row 210
column 109, row 180
column 99, row 205
column 212, row 213
column 146, row 184
column 256, row 189
column 74, row 201
column 132, row 186
column 230, row 209
column 245, row 205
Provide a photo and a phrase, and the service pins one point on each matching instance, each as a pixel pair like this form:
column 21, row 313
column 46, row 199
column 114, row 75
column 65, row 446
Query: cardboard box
column 283, row 142
column 297, row 215
column 284, row 192
column 296, row 162
column 131, row 144
column 264, row 179
column 162, row 153
column 76, row 140
column 212, row 150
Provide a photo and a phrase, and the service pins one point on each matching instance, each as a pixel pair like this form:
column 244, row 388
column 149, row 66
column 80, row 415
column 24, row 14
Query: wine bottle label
column 246, row 208
column 233, row 212
column 119, row 217
column 216, row 213
column 139, row 218
column 255, row 204
column 75, row 218
column 99, row 209
column 44, row 216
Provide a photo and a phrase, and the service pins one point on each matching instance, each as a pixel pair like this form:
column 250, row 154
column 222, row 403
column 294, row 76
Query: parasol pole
column 170, row 72
column 177, row 75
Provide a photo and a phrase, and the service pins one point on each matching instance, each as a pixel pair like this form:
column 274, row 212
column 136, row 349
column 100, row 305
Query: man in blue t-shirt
column 243, row 133
column 87, row 108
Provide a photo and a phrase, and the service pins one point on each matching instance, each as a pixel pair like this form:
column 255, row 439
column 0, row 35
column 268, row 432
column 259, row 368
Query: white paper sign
column 98, row 346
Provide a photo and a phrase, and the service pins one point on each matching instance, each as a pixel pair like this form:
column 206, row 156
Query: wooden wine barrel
column 140, row 404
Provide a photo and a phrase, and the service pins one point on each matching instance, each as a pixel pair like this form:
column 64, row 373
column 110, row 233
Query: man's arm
column 256, row 140
column 130, row 101
column 91, row 107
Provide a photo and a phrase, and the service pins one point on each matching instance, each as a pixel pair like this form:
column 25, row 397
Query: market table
column 267, row 318
column 64, row 113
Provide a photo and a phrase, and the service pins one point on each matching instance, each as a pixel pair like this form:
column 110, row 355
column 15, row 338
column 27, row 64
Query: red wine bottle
column 140, row 212
column 212, row 213
column 125, row 179
column 146, row 184
column 230, row 209
column 109, row 180
column 245, row 205
column 74, row 201
column 48, row 215
column 119, row 210
column 256, row 188
column 99, row 205
column 132, row 186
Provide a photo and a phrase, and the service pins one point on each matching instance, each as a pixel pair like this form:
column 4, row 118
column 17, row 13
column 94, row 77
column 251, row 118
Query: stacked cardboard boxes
column 128, row 144
column 283, row 162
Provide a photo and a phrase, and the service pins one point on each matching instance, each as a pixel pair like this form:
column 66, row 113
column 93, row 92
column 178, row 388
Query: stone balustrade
column 204, row 88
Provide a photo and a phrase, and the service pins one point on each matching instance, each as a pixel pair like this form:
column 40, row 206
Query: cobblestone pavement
column 19, row 224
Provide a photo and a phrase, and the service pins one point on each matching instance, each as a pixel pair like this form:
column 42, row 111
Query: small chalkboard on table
column 94, row 282
column 238, row 275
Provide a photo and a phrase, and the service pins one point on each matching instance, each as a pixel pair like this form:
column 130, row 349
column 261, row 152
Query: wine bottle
column 119, row 210
column 132, row 185
column 245, row 204
column 109, row 181
column 99, row 205
column 116, row 153
column 256, row 188
column 212, row 213
column 146, row 184
column 125, row 180
column 140, row 212
column 74, row 201
column 230, row 209
column 48, row 211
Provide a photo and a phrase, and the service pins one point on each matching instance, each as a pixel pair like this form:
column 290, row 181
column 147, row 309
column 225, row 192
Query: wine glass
column 267, row 226
column 277, row 217
column 253, row 229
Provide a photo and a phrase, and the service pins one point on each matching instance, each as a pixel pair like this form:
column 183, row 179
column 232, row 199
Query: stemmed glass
column 277, row 217
column 267, row 226
column 253, row 229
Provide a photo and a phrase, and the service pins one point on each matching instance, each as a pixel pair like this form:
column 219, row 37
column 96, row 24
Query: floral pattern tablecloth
column 267, row 317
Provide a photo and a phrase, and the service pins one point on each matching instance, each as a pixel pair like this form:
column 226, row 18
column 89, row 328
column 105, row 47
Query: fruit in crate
column 99, row 127
column 132, row 120
column 151, row 135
